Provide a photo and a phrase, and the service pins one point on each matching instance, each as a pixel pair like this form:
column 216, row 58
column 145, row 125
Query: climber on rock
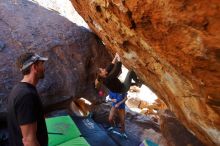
column 118, row 105
column 109, row 77
column 117, row 90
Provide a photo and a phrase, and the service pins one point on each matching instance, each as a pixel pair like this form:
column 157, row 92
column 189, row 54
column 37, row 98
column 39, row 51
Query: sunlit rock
column 173, row 46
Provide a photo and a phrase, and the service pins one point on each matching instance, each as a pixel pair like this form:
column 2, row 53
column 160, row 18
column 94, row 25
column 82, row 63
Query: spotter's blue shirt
column 119, row 97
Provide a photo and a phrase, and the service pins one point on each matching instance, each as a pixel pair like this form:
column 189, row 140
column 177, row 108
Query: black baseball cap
column 32, row 60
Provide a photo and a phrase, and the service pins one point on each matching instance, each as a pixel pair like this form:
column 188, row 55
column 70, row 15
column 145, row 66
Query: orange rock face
column 174, row 47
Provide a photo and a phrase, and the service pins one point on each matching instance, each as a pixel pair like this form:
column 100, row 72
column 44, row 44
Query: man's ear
column 34, row 67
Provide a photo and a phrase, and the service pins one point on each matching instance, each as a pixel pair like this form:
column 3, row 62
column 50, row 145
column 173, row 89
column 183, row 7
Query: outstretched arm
column 116, row 58
column 116, row 67
column 115, row 71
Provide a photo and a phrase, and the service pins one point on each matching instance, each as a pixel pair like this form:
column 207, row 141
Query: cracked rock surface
column 73, row 52
column 173, row 46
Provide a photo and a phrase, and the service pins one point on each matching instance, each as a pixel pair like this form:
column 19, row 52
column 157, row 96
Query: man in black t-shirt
column 26, row 123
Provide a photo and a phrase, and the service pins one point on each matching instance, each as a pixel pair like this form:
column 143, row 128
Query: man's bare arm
column 29, row 134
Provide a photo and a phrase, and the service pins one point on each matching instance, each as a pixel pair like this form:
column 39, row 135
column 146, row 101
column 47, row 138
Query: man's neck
column 30, row 79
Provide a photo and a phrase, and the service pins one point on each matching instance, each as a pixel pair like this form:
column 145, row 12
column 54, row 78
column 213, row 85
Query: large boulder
column 173, row 46
column 138, row 125
column 174, row 132
column 74, row 52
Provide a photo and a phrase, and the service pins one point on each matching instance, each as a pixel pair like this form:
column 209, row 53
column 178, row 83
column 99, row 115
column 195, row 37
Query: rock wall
column 73, row 52
column 174, row 47
column 174, row 132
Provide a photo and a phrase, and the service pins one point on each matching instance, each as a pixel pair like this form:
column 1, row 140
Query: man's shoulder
column 23, row 89
column 20, row 91
column 19, row 95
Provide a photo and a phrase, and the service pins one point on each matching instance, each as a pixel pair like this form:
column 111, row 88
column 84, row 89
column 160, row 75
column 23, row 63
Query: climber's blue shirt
column 119, row 97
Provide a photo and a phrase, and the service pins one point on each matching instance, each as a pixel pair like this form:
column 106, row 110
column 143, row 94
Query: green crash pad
column 148, row 143
column 79, row 141
column 61, row 129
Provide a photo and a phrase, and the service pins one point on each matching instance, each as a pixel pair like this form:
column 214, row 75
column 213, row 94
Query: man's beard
column 41, row 75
